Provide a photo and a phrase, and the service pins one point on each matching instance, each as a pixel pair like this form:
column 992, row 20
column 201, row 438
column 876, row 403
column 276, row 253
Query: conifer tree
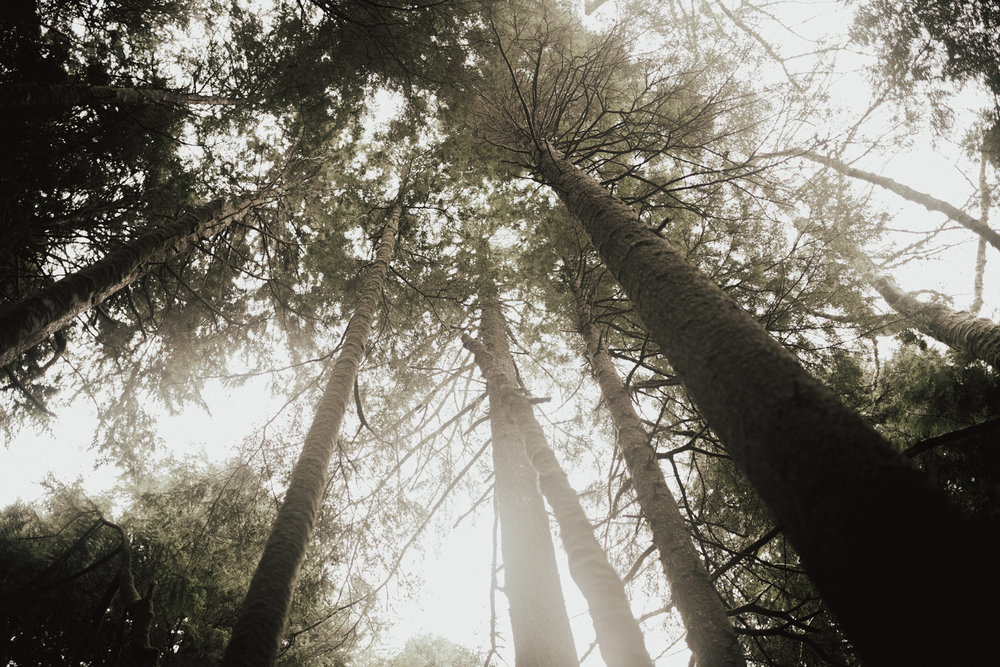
column 258, row 632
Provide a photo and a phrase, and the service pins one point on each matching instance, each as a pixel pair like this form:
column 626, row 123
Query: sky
column 453, row 600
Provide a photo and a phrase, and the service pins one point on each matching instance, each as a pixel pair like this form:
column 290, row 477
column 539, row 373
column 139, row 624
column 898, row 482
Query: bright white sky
column 454, row 598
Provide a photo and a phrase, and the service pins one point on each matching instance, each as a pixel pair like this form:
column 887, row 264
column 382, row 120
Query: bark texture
column 539, row 623
column 263, row 618
column 975, row 336
column 75, row 95
column 618, row 633
column 30, row 321
column 961, row 330
column 906, row 192
column 898, row 564
column 710, row 635
column 985, row 201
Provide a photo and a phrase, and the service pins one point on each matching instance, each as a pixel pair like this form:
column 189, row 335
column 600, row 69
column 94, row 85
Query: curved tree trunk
column 710, row 635
column 263, row 618
column 76, row 94
column 930, row 203
column 540, row 626
column 867, row 525
column 618, row 632
column 138, row 610
column 30, row 321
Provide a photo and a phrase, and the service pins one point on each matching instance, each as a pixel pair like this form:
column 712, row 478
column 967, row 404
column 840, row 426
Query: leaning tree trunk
column 76, row 94
column 898, row 564
column 263, row 618
column 539, row 623
column 618, row 633
column 930, row 203
column 28, row 322
column 976, row 336
column 710, row 635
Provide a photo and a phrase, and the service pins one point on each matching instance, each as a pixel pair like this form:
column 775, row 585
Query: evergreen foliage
column 470, row 123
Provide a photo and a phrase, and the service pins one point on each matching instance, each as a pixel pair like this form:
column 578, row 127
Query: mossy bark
column 539, row 622
column 30, row 321
column 618, row 634
column 710, row 635
column 263, row 617
column 898, row 564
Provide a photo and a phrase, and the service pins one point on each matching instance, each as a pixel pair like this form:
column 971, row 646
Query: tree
column 696, row 331
column 73, row 580
column 709, row 632
column 721, row 303
column 32, row 320
column 531, row 581
column 617, row 631
column 264, row 616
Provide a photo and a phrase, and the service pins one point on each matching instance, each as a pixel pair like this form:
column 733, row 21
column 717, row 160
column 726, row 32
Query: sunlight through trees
column 660, row 304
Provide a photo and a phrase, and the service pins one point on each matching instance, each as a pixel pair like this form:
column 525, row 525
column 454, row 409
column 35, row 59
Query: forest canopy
column 478, row 332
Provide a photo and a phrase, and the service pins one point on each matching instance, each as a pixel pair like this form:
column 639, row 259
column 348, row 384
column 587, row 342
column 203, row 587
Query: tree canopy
column 651, row 293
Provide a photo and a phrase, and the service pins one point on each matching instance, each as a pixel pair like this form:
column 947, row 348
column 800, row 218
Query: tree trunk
column 618, row 633
column 963, row 331
column 985, row 201
column 538, row 619
column 138, row 610
column 867, row 525
column 263, row 618
column 710, row 635
column 925, row 200
column 76, row 95
column 30, row 321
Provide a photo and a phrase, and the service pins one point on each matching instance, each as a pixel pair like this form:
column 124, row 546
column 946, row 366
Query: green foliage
column 429, row 651
column 191, row 545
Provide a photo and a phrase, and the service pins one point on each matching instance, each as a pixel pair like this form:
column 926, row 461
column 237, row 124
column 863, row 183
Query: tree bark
column 867, row 525
column 618, row 633
column 963, row 331
column 263, row 617
column 930, row 203
column 76, row 95
column 710, row 635
column 975, row 336
column 539, row 623
column 30, row 321
column 985, row 201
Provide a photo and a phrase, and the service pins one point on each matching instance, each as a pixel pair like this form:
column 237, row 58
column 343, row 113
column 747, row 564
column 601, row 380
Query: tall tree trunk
column 985, row 201
column 30, row 321
column 263, row 618
column 538, row 619
column 976, row 336
column 710, row 635
column 76, row 94
column 930, row 203
column 618, row 633
column 867, row 525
